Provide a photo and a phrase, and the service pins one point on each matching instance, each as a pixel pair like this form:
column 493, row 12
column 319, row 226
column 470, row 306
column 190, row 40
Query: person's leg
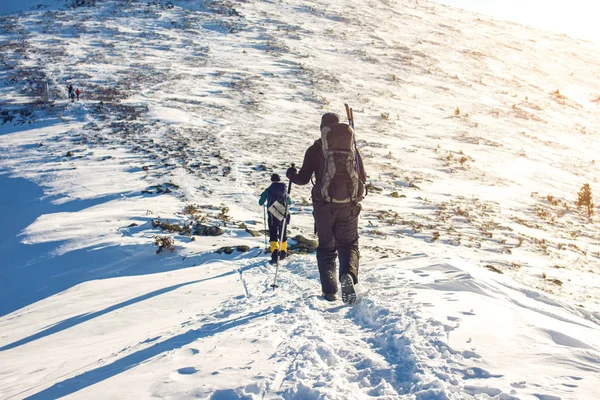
column 326, row 253
column 273, row 233
column 346, row 237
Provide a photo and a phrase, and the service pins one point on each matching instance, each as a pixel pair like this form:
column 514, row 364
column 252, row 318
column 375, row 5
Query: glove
column 291, row 172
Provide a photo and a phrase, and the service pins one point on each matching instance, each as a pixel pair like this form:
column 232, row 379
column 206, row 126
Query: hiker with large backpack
column 275, row 198
column 339, row 187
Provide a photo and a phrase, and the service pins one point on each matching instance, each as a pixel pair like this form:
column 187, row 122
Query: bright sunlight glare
column 576, row 18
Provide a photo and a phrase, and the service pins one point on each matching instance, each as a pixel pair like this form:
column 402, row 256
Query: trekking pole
column 265, row 212
column 350, row 114
column 283, row 230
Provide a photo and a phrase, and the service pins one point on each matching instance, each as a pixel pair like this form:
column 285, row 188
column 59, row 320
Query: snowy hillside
column 479, row 274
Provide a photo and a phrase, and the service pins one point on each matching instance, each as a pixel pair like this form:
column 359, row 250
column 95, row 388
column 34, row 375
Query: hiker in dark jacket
column 276, row 193
column 336, row 219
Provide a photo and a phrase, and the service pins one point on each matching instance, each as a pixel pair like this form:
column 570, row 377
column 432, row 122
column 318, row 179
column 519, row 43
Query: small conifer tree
column 584, row 199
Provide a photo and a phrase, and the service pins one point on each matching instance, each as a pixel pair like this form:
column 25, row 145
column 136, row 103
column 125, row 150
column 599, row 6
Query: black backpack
column 338, row 180
column 277, row 193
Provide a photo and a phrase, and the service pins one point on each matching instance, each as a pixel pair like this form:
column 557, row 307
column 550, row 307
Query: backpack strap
column 327, row 168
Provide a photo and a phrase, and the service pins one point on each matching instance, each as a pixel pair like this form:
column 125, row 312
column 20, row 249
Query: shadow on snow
column 30, row 273
column 89, row 378
column 79, row 319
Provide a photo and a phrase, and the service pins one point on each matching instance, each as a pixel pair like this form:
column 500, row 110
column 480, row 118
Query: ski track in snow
column 198, row 104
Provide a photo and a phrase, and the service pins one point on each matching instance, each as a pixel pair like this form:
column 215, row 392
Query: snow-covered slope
column 479, row 275
column 16, row 6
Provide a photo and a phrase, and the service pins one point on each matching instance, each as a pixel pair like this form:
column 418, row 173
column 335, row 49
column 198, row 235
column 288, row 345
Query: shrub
column 223, row 216
column 493, row 269
column 191, row 209
column 164, row 243
column 552, row 200
column 584, row 199
column 372, row 188
column 558, row 95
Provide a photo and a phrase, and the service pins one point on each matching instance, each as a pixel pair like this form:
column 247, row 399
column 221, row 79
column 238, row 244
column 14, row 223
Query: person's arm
column 309, row 166
column 263, row 197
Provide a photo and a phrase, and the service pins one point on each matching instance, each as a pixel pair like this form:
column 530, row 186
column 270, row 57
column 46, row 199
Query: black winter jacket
column 312, row 162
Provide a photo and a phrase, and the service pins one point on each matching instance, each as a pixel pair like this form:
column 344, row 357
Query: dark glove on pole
column 291, row 173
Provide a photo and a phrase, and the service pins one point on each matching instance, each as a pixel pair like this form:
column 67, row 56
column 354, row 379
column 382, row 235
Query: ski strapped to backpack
column 361, row 174
column 340, row 177
column 350, row 114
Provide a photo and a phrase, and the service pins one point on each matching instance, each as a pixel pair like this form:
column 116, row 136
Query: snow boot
column 348, row 292
column 330, row 296
column 274, row 257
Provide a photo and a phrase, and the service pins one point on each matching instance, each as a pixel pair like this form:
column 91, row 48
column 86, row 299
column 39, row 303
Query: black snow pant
column 337, row 230
column 275, row 228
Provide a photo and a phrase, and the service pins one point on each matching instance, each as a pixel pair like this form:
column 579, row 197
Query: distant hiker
column 336, row 197
column 70, row 89
column 77, row 93
column 72, row 94
column 276, row 197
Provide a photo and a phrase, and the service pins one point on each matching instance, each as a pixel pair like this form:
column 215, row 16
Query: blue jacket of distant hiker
column 277, row 192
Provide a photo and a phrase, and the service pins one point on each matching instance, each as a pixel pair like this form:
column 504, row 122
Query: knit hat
column 275, row 178
column 329, row 119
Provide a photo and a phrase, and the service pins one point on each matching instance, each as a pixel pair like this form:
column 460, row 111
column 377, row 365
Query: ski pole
column 350, row 114
column 265, row 212
column 283, row 230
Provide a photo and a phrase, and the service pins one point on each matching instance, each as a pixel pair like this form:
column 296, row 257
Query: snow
column 575, row 18
column 479, row 277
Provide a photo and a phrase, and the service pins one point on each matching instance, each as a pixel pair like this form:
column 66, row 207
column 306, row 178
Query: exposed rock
column 226, row 250
column 206, row 230
column 304, row 245
column 253, row 232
